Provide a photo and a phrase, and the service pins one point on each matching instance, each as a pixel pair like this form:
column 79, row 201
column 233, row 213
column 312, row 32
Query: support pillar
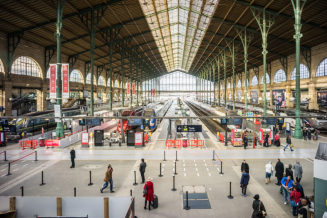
column 214, row 82
column 231, row 47
column 225, row 79
column 219, row 86
column 313, row 105
column 7, row 97
column 41, row 103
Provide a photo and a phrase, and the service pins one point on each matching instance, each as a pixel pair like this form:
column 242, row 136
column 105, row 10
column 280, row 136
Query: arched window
column 108, row 82
column 254, row 81
column 239, row 84
column 88, row 79
column 76, row 76
column 280, row 76
column 116, row 84
column 304, row 72
column 247, row 80
column 322, row 68
column 101, row 81
column 26, row 66
column 267, row 79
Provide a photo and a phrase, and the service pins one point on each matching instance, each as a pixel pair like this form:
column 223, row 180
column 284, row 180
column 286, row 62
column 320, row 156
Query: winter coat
column 255, row 206
column 72, row 154
column 108, row 175
column 279, row 169
column 142, row 167
column 298, row 170
column 289, row 172
column 288, row 140
column 245, row 179
column 295, row 196
column 245, row 167
column 149, row 193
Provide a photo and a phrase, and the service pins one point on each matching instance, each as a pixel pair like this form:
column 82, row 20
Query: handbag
column 293, row 204
column 145, row 190
column 261, row 213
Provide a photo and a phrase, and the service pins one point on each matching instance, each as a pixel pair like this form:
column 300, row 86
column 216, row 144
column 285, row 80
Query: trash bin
column 41, row 142
column 184, row 143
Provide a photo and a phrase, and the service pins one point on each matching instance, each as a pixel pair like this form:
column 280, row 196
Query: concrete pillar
column 41, row 95
column 7, row 96
column 313, row 104
column 288, row 95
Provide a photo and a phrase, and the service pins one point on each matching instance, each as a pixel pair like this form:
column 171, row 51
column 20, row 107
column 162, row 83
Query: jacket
column 279, row 169
column 288, row 140
column 245, row 179
column 289, row 172
column 149, row 195
column 295, row 196
column 72, row 154
column 108, row 175
column 142, row 167
column 289, row 184
column 245, row 167
column 255, row 206
column 298, row 170
column 300, row 188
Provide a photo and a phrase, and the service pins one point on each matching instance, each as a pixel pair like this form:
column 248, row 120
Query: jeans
column 286, row 195
column 244, row 189
column 287, row 146
column 105, row 185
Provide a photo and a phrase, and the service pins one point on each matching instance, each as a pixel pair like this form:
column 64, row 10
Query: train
column 129, row 113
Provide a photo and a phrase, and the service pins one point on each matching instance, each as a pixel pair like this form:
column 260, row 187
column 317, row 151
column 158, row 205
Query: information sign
column 138, row 140
column 85, row 138
column 189, row 128
column 65, row 80
column 53, row 79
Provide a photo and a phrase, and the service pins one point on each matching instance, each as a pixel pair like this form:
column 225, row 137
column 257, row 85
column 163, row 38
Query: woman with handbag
column 295, row 199
column 148, row 193
column 259, row 209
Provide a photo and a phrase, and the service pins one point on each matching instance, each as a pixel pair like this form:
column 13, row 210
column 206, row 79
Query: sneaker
column 101, row 190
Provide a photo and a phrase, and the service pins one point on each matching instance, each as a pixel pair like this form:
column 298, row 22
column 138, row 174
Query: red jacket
column 295, row 196
column 149, row 195
column 276, row 137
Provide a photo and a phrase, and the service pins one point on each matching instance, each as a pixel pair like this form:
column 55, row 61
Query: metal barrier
column 28, row 144
column 196, row 143
column 13, row 161
column 51, row 143
column 173, row 143
column 131, row 210
column 4, row 154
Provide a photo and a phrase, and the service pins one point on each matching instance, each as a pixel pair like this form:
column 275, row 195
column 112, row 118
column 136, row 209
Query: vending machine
column 263, row 132
column 236, row 137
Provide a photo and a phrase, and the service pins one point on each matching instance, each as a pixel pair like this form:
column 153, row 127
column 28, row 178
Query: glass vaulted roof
column 178, row 27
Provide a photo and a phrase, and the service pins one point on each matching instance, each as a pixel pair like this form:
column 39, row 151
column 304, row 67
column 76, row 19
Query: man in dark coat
column 245, row 167
column 279, row 169
column 244, row 182
column 245, row 140
column 72, row 157
column 289, row 171
column 142, row 169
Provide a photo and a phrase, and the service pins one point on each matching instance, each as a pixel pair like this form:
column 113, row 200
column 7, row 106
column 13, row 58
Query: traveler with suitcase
column 148, row 193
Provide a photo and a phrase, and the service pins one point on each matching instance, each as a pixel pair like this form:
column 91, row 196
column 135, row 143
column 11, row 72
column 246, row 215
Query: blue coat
column 290, row 183
column 245, row 179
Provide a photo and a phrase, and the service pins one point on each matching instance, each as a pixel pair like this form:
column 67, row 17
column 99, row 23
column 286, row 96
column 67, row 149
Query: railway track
column 212, row 125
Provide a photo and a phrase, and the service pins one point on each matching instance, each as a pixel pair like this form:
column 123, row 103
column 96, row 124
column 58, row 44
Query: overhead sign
column 65, row 80
column 270, row 121
column 189, row 128
column 53, row 79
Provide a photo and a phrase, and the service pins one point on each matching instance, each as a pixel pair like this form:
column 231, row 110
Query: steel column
column 218, row 69
column 225, row 79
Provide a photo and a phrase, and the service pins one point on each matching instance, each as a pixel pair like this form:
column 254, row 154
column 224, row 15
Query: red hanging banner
column 128, row 88
column 53, row 79
column 65, row 80
column 133, row 88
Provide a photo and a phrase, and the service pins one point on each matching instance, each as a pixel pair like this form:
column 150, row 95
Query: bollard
column 176, row 156
column 42, row 182
column 22, row 189
column 173, row 189
column 8, row 169
column 186, row 206
column 213, row 155
column 74, row 191
column 91, row 183
column 160, row 175
column 175, row 173
column 135, row 183
column 221, row 167
column 164, row 156
column 131, row 192
column 35, row 155
column 5, row 155
column 230, row 196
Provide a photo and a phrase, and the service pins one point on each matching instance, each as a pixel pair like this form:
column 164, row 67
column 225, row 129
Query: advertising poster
column 279, row 97
column 254, row 97
column 322, row 98
column 53, row 79
column 85, row 138
column 128, row 88
column 239, row 95
column 133, row 88
column 65, row 80
column 138, row 140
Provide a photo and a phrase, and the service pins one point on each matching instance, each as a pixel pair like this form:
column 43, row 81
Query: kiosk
column 262, row 134
column 236, row 137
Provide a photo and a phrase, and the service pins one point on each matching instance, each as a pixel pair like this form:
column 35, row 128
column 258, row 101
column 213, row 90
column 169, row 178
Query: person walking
column 142, row 169
column 148, row 193
column 244, row 182
column 288, row 143
column 287, row 184
column 316, row 134
column 259, row 209
column 245, row 140
column 298, row 171
column 108, row 179
column 295, row 197
column 269, row 171
column 279, row 171
column 289, row 171
column 304, row 133
column 72, row 157
column 245, row 167
column 309, row 134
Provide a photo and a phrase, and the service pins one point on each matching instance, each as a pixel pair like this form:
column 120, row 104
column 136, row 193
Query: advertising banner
column 65, row 80
column 85, row 138
column 279, row 97
column 128, row 88
column 138, row 140
column 53, row 79
column 133, row 88
column 254, row 97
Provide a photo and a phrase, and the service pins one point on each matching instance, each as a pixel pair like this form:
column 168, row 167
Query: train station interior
column 163, row 108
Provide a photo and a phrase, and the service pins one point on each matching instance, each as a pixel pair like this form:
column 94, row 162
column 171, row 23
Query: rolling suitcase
column 155, row 201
